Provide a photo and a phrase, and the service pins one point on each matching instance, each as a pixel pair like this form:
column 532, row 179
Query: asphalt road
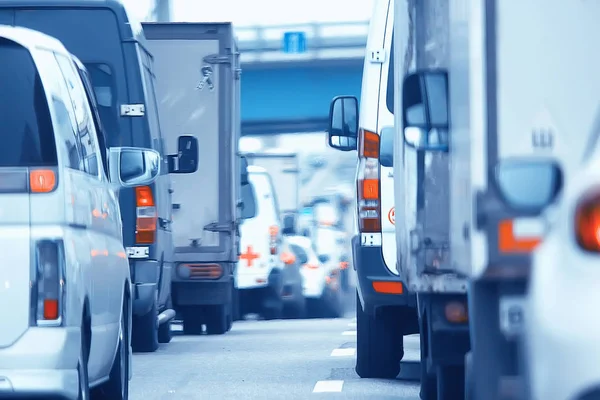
column 281, row 359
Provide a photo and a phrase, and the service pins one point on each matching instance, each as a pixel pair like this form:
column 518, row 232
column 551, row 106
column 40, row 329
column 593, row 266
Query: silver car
column 64, row 277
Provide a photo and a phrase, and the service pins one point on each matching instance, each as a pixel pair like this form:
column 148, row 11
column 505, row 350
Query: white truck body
column 283, row 167
column 197, row 68
column 422, row 182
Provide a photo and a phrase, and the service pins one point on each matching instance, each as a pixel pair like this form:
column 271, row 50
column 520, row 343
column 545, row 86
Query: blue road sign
column 294, row 42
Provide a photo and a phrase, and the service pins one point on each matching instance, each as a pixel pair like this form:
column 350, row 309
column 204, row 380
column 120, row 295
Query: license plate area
column 511, row 313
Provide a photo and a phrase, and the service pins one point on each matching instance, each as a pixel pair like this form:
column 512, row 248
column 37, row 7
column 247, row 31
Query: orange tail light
column 145, row 232
column 587, row 223
column 368, row 193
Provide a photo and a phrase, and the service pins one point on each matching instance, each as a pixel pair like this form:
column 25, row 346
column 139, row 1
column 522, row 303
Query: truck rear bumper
column 202, row 292
column 370, row 267
column 145, row 275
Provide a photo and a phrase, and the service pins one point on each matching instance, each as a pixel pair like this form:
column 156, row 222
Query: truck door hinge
column 218, row 59
column 226, row 227
column 377, row 56
column 133, row 110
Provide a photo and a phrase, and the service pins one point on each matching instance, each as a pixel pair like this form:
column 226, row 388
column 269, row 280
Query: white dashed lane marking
column 343, row 352
column 328, row 386
column 349, row 333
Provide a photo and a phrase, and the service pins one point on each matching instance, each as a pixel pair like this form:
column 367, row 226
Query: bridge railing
column 324, row 40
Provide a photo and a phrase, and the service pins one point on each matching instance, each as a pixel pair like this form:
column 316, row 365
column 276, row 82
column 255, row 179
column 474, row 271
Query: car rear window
column 26, row 133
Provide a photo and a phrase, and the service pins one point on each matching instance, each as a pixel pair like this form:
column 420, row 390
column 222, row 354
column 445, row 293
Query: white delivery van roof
column 31, row 39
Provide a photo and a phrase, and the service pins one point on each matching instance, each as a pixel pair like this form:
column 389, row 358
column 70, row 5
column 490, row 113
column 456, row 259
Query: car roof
column 31, row 39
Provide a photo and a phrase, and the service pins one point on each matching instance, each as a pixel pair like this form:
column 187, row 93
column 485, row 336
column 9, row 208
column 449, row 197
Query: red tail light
column 368, row 193
column 273, row 231
column 587, row 222
column 145, row 225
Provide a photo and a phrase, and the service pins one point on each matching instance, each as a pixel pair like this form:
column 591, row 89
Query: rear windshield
column 26, row 133
column 103, row 81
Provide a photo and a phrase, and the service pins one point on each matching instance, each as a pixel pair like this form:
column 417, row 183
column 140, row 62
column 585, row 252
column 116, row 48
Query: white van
column 381, row 293
column 65, row 272
column 259, row 274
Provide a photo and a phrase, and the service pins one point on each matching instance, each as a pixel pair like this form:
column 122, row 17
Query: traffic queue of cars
column 113, row 222
column 477, row 138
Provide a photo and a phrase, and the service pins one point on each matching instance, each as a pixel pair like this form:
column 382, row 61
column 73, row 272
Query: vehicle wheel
column 145, row 331
column 450, row 382
column 379, row 345
column 117, row 386
column 333, row 305
column 217, row 320
column 428, row 381
column 469, row 378
column 229, row 322
column 192, row 323
column 82, row 370
column 272, row 307
column 236, row 307
column 164, row 333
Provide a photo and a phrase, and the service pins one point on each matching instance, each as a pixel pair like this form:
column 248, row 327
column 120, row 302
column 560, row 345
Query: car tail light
column 42, row 180
column 368, row 182
column 145, row 224
column 587, row 222
column 49, row 282
column 273, row 231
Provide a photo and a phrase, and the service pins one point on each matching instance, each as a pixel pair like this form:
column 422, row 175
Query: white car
column 321, row 284
column 562, row 328
column 65, row 280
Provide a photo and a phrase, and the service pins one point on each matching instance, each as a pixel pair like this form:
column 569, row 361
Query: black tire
column 469, row 378
column 217, row 320
column 192, row 323
column 332, row 304
column 145, row 331
column 164, row 332
column 236, row 306
column 82, row 369
column 379, row 345
column 117, row 386
column 272, row 306
column 428, row 381
column 450, row 382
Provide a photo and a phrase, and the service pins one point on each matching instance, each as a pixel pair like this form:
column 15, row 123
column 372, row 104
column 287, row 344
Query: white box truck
column 198, row 92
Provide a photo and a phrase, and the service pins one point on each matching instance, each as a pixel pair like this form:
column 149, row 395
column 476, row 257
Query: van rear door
column 27, row 144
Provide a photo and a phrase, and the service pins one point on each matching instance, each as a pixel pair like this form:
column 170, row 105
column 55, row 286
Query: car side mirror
column 425, row 110
column 133, row 166
column 186, row 159
column 343, row 123
column 386, row 146
column 289, row 225
column 244, row 170
column 529, row 185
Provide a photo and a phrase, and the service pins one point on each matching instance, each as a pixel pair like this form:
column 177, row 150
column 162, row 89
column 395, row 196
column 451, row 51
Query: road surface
column 281, row 359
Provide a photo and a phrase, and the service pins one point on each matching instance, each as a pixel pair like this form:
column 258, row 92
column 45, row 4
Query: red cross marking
column 249, row 256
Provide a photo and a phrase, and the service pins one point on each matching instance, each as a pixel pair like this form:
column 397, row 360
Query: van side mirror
column 133, row 166
column 244, row 170
column 425, row 110
column 186, row 159
column 528, row 185
column 386, row 146
column 343, row 123
column 289, row 225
